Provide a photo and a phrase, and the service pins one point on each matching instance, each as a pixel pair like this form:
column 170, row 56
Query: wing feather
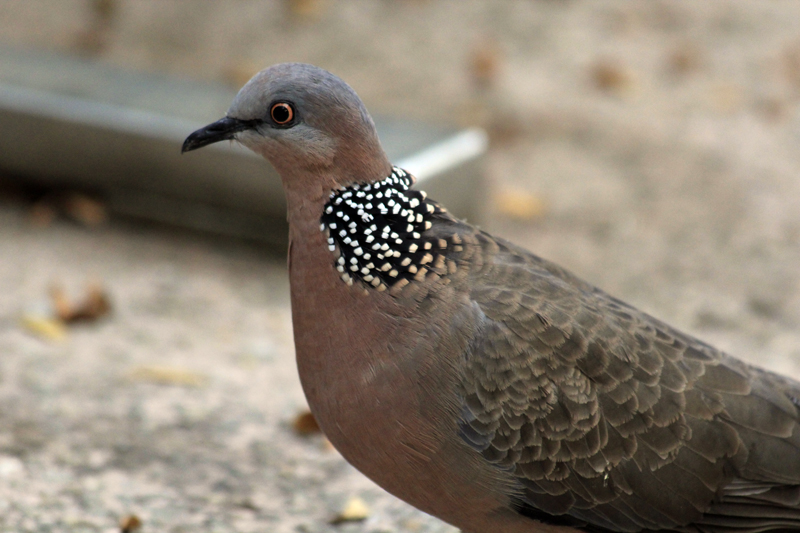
column 608, row 419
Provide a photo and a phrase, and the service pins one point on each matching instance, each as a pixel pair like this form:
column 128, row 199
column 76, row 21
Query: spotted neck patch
column 376, row 232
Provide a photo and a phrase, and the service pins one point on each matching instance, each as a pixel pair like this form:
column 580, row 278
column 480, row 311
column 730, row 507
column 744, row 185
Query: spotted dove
column 483, row 384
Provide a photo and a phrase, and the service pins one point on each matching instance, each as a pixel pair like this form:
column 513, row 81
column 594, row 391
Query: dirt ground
column 651, row 147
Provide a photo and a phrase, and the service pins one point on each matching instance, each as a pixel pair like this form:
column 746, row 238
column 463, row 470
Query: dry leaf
column 484, row 63
column 306, row 8
column 305, row 424
column 610, row 76
column 412, row 525
column 129, row 523
column 42, row 214
column 94, row 39
column 77, row 206
column 684, row 60
column 61, row 304
column 355, row 510
column 46, row 327
column 791, row 65
column 95, row 306
column 164, row 375
column 88, row 211
column 91, row 42
column 104, row 10
column 519, row 205
column 774, row 109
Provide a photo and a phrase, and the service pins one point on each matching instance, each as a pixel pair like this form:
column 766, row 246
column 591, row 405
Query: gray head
column 306, row 122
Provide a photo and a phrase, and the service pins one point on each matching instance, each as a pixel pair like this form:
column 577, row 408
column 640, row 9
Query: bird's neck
column 378, row 235
column 376, row 232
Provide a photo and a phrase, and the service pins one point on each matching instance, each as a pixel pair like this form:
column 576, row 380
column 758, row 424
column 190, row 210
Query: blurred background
column 147, row 378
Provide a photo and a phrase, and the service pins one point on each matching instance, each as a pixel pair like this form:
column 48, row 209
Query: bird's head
column 307, row 122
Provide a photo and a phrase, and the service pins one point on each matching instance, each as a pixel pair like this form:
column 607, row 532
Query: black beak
column 222, row 130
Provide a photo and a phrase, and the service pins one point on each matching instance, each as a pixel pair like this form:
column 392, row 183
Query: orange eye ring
column 282, row 113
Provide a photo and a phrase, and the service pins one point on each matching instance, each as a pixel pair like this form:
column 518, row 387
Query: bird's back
column 609, row 419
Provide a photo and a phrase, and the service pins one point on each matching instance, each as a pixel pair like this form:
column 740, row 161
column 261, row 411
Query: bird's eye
column 282, row 113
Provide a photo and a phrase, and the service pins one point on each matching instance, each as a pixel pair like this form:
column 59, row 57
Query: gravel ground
column 177, row 408
column 659, row 140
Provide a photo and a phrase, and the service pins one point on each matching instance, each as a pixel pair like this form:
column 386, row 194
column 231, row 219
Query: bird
column 483, row 384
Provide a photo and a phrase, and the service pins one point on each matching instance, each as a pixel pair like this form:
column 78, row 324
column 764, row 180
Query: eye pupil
column 282, row 113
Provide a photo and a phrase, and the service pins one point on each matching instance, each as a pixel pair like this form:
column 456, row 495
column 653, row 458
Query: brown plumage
column 485, row 385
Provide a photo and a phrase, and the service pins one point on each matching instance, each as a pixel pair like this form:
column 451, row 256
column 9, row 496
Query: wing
column 611, row 420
